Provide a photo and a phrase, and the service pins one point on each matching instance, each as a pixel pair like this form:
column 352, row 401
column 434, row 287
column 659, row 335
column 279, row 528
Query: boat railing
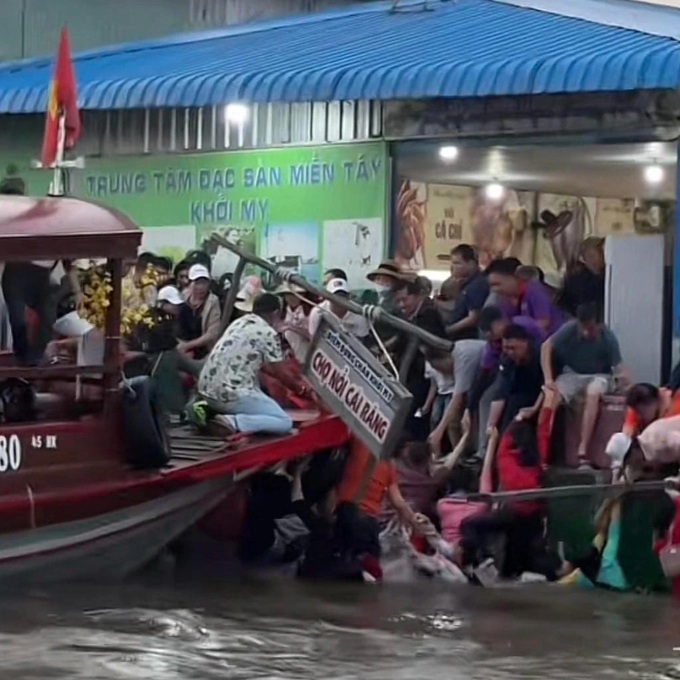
column 417, row 336
column 612, row 490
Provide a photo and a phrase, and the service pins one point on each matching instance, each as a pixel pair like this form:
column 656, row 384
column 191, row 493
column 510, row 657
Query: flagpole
column 57, row 183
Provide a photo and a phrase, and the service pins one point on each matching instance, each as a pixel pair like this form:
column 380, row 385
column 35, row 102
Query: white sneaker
column 531, row 577
column 486, row 573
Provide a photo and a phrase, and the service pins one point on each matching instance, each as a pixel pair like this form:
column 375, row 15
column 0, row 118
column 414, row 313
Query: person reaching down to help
column 229, row 383
column 646, row 403
column 522, row 298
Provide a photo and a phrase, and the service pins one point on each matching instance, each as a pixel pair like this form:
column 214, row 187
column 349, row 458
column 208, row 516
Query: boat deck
column 208, row 455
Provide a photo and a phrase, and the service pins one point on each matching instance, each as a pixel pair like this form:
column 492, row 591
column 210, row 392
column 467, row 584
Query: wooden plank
column 49, row 372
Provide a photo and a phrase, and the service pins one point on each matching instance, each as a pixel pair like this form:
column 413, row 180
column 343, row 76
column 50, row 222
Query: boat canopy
column 64, row 228
column 410, row 49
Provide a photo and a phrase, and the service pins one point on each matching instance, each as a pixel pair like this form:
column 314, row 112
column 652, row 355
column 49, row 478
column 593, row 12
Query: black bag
column 143, row 429
column 17, row 401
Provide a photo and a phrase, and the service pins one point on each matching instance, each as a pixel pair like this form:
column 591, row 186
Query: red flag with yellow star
column 63, row 100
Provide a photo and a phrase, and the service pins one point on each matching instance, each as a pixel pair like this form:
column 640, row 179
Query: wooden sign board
column 356, row 387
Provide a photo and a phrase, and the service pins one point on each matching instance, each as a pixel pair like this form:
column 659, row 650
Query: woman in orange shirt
column 364, row 486
column 646, row 403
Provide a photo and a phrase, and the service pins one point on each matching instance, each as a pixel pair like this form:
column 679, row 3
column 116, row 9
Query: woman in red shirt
column 521, row 458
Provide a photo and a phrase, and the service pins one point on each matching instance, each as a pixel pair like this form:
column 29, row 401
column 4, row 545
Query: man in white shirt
column 352, row 323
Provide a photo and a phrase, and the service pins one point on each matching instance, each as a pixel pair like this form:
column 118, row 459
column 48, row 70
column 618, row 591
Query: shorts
column 441, row 403
column 570, row 385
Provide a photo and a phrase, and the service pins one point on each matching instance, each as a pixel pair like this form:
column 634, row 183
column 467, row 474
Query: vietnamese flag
column 63, row 100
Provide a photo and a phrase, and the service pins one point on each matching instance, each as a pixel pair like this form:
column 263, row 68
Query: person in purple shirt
column 522, row 298
column 493, row 324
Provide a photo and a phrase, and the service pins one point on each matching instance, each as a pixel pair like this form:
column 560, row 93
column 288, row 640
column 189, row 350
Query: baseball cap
column 336, row 286
column 198, row 271
column 171, row 295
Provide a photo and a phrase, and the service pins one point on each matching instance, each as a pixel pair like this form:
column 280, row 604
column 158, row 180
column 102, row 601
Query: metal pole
column 231, row 294
column 112, row 337
column 57, row 184
column 576, row 491
column 407, row 359
column 351, row 306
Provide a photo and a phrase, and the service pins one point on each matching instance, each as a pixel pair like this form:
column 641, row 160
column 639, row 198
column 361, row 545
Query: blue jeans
column 252, row 413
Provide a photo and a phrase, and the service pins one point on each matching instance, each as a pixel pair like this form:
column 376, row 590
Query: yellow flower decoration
column 134, row 311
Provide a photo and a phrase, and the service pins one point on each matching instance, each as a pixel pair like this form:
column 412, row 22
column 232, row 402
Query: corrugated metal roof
column 459, row 48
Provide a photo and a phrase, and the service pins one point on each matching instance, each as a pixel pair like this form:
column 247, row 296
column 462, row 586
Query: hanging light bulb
column 236, row 113
column 494, row 191
column 654, row 174
column 448, row 153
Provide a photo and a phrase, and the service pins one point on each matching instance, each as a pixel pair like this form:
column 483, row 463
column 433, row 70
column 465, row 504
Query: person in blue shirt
column 474, row 290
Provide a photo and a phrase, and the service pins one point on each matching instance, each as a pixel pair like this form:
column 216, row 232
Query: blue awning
column 457, row 48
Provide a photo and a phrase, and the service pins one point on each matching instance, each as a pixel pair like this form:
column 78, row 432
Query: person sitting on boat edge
column 229, row 383
column 588, row 357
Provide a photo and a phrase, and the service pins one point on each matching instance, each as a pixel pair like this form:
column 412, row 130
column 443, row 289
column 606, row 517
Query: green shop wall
column 305, row 208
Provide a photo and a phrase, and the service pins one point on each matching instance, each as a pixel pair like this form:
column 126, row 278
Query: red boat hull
column 68, row 503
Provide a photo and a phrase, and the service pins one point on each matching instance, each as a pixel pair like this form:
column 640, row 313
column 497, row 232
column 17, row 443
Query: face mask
column 381, row 289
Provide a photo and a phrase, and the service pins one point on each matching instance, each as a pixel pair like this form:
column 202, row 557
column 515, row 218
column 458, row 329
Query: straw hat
column 388, row 268
column 288, row 289
column 244, row 305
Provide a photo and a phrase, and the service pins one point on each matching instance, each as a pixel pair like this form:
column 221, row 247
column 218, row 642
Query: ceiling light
column 236, row 113
column 654, row 174
column 448, row 153
column 494, row 191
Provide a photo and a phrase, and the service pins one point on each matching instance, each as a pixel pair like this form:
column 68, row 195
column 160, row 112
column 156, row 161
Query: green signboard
column 305, row 208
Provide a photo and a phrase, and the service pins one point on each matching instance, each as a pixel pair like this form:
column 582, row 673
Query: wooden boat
column 72, row 507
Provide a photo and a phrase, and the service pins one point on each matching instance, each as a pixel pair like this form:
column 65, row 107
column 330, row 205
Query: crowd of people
column 482, row 413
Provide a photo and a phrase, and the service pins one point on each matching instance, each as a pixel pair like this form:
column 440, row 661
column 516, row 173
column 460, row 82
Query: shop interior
column 539, row 203
column 494, row 197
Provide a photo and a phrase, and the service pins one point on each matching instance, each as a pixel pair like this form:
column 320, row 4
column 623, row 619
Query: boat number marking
column 49, row 441
column 10, row 453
